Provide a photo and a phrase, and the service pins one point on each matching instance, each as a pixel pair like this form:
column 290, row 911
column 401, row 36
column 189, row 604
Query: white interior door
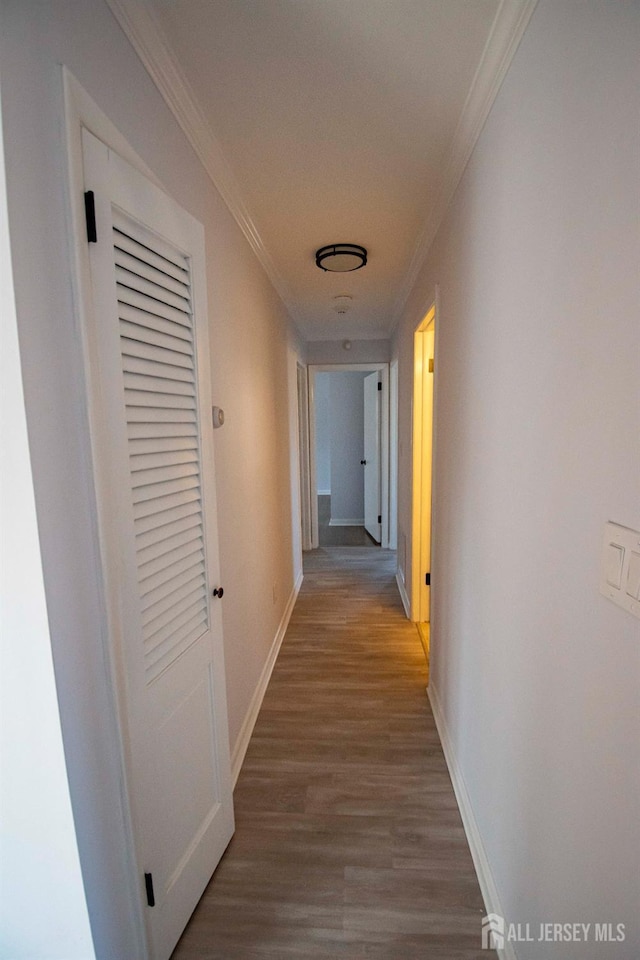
column 150, row 397
column 372, row 519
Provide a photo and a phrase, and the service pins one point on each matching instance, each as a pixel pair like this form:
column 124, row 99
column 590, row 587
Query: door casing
column 383, row 368
column 423, row 450
column 128, row 931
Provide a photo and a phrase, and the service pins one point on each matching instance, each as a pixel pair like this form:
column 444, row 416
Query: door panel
column 372, row 456
column 154, row 472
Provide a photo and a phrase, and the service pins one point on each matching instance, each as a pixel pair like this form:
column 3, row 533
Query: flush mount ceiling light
column 341, row 257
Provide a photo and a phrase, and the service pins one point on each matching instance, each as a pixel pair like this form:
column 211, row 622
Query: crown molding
column 143, row 30
column 141, row 27
column 508, row 27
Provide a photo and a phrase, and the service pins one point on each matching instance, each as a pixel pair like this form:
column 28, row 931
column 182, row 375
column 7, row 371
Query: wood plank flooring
column 348, row 843
column 339, row 536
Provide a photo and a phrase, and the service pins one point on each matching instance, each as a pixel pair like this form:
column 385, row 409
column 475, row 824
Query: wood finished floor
column 339, row 536
column 348, row 840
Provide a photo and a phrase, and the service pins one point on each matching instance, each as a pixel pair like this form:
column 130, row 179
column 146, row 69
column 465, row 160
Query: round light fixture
column 341, row 257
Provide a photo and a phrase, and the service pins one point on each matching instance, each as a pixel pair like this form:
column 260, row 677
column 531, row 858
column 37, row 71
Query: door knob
column 218, row 592
column 363, row 462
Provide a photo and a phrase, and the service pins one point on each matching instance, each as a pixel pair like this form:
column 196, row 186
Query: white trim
column 324, row 493
column 359, row 522
column 403, row 594
column 508, row 28
column 142, row 28
column 304, row 453
column 487, row 883
column 393, row 455
column 249, row 722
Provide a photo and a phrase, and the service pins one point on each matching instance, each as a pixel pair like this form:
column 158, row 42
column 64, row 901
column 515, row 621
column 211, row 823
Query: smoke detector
column 342, row 303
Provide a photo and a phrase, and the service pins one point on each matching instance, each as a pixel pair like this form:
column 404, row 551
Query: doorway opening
column 349, row 454
column 423, row 384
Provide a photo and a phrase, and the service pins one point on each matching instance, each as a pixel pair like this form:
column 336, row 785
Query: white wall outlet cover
column 620, row 567
column 217, row 414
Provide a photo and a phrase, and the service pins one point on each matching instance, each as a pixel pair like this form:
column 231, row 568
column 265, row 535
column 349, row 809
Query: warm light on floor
column 424, row 631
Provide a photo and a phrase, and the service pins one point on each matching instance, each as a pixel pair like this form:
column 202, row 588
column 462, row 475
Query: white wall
column 537, row 420
column 360, row 351
column 322, row 398
column 43, row 910
column 347, row 447
column 251, row 353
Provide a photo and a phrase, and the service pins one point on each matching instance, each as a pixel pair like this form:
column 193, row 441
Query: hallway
column 348, row 839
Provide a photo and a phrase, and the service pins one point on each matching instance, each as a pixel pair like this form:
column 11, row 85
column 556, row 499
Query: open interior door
column 148, row 378
column 372, row 499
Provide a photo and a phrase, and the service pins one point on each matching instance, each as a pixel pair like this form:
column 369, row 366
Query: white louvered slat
column 129, row 297
column 167, row 530
column 147, row 398
column 146, row 508
column 171, row 262
column 158, row 660
column 164, row 517
column 156, row 627
column 163, row 431
column 138, row 381
column 160, row 444
column 148, row 351
column 169, row 600
column 152, row 291
column 161, row 415
column 132, row 364
column 135, row 331
column 152, row 492
column 147, row 271
column 157, row 554
column 158, row 364
column 155, row 598
column 187, row 621
column 142, row 318
column 147, row 571
column 170, row 573
column 160, row 475
column 146, row 461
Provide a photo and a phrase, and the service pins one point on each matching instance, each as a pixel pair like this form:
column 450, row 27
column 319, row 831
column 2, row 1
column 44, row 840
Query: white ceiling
column 331, row 121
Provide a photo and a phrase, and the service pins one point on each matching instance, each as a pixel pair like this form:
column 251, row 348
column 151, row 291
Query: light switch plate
column 619, row 566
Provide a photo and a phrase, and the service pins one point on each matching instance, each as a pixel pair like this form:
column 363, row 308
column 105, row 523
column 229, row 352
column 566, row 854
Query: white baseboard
column 241, row 744
column 403, row 595
column 488, row 887
column 359, row 522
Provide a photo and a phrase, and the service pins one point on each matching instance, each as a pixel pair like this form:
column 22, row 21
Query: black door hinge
column 427, row 579
column 379, row 385
column 379, row 519
column 148, row 882
column 90, row 214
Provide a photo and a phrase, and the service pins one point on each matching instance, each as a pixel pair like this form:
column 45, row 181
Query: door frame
column 313, row 370
column 393, row 455
column 81, row 112
column 304, row 453
column 421, row 610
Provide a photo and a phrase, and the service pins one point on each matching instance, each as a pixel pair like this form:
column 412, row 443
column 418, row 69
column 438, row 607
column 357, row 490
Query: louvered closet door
column 154, row 466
